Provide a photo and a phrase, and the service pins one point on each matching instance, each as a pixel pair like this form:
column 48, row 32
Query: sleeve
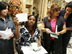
column 21, row 30
column 42, row 21
column 21, row 39
column 39, row 34
column 13, row 29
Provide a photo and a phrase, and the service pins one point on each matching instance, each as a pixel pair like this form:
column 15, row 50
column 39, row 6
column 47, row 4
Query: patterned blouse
column 26, row 38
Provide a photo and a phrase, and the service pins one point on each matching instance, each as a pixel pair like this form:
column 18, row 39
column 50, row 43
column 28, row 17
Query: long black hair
column 35, row 25
column 69, row 5
column 3, row 5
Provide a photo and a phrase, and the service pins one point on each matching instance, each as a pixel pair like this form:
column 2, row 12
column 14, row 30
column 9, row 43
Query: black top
column 68, row 20
column 47, row 39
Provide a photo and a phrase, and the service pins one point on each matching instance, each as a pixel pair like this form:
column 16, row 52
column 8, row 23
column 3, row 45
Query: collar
column 6, row 19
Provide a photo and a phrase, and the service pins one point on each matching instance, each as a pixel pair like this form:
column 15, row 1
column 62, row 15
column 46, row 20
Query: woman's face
column 31, row 21
column 4, row 11
column 68, row 10
column 56, row 13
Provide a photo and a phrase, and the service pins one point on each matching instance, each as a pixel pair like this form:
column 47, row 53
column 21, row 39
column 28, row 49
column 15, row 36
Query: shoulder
column 60, row 17
column 45, row 18
column 23, row 29
column 62, row 10
column 10, row 18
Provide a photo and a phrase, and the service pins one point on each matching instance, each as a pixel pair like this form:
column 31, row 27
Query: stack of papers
column 34, row 46
column 6, row 34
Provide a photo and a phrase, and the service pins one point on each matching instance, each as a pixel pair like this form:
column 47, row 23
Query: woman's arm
column 43, row 29
column 17, row 34
column 69, row 28
column 39, row 42
column 63, row 31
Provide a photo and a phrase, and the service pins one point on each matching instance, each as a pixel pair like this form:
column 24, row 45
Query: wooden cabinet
column 27, row 6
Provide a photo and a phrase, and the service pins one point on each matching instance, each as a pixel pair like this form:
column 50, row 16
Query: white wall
column 68, row 0
column 0, row 0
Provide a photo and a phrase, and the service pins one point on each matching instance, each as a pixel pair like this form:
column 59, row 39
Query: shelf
column 28, row 4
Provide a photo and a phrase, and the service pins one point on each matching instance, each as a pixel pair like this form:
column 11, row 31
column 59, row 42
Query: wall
column 0, row 0
column 36, row 3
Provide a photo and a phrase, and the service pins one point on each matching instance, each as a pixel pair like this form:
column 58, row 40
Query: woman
column 48, row 25
column 67, row 15
column 29, row 32
column 6, row 45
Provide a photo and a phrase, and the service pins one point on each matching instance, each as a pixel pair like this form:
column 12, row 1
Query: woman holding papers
column 6, row 45
column 54, row 23
column 29, row 32
column 67, row 15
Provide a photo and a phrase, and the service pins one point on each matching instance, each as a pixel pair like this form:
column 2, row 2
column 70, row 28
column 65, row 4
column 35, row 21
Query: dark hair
column 69, row 5
column 34, row 7
column 35, row 26
column 3, row 5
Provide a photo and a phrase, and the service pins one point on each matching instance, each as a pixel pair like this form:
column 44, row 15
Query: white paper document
column 53, row 35
column 22, row 17
column 6, row 34
column 34, row 46
column 27, row 50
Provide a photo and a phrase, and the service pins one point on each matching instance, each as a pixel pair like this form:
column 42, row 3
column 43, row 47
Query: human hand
column 39, row 44
column 10, row 37
column 16, row 20
column 47, row 31
column 58, row 33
